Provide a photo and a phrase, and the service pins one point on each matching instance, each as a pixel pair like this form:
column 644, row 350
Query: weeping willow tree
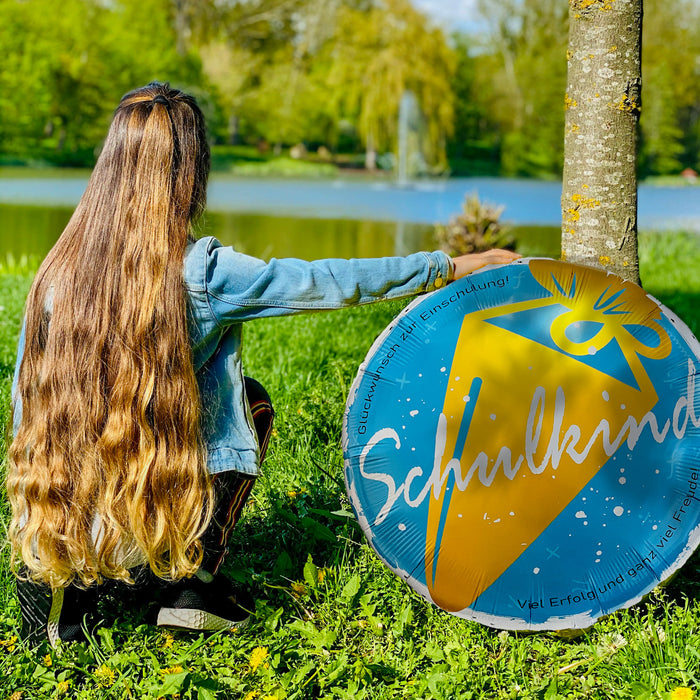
column 603, row 103
column 381, row 51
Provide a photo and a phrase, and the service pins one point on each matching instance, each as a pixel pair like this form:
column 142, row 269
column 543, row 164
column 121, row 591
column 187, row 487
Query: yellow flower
column 682, row 694
column 10, row 644
column 171, row 669
column 62, row 686
column 321, row 575
column 251, row 695
column 47, row 660
column 17, row 695
column 257, row 657
column 299, row 588
column 105, row 676
column 168, row 640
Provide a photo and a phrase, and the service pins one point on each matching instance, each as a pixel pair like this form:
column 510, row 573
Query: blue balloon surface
column 523, row 446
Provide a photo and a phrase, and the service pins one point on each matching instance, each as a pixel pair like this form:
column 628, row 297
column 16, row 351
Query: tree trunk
column 370, row 153
column 182, row 27
column 602, row 103
column 233, row 123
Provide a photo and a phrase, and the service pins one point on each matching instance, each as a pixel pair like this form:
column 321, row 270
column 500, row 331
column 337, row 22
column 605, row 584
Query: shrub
column 477, row 228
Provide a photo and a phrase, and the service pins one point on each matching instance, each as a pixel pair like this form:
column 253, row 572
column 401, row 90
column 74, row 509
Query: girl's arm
column 238, row 287
column 465, row 264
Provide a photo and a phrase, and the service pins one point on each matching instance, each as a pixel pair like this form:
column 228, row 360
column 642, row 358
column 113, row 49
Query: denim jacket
column 226, row 288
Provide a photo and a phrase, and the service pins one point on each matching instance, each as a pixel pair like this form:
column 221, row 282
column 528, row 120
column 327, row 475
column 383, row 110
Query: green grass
column 248, row 161
column 285, row 167
column 333, row 621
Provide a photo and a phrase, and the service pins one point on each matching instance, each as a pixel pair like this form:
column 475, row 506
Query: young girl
column 136, row 437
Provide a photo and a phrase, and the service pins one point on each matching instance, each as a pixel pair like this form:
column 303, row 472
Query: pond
column 329, row 218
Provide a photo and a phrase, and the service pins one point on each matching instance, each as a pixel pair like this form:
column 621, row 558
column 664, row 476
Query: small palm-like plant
column 476, row 228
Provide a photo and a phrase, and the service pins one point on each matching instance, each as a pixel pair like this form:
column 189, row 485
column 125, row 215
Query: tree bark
column 370, row 153
column 233, row 123
column 182, row 27
column 602, row 103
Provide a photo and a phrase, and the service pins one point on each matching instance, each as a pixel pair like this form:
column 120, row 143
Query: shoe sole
column 193, row 619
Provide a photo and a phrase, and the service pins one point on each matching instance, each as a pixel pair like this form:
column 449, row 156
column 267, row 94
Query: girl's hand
column 464, row 264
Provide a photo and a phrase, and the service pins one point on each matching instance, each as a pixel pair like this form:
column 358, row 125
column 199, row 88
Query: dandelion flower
column 257, row 657
column 251, row 695
column 105, row 676
column 171, row 669
column 321, row 575
column 168, row 640
column 62, row 686
column 682, row 693
column 10, row 644
column 299, row 588
column 47, row 660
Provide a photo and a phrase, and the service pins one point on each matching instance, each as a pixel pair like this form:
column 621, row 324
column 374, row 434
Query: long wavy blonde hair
column 108, row 464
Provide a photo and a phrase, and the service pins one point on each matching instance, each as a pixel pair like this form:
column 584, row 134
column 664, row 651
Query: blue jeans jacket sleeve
column 227, row 288
column 240, row 287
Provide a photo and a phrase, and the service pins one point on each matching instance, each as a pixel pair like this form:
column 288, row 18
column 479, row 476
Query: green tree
column 475, row 146
column 260, row 58
column 65, row 71
column 662, row 144
column 670, row 120
column 380, row 52
column 525, row 72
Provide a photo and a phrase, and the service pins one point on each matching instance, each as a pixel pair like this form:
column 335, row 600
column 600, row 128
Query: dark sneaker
column 54, row 615
column 195, row 605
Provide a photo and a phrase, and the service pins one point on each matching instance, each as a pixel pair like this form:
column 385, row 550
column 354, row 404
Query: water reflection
column 268, row 236
column 31, row 230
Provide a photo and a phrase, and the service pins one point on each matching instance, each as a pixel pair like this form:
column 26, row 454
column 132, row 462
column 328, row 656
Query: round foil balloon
column 523, row 446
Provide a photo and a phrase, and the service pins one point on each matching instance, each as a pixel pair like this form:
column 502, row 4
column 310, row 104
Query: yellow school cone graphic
column 528, row 421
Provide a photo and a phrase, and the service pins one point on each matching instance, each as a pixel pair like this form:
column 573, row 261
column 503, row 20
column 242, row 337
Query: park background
column 329, row 75
column 302, row 98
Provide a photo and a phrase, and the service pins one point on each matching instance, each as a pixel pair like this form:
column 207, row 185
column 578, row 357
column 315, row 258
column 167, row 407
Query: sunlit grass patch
column 331, row 621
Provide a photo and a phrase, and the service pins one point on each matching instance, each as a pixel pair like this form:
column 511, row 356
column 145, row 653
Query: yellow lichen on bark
column 585, row 202
column 626, row 104
column 578, row 201
column 585, row 5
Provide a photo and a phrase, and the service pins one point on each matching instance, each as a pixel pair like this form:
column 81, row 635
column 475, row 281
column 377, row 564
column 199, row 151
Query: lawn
column 331, row 620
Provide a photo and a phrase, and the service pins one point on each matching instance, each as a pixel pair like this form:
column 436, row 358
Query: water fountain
column 410, row 161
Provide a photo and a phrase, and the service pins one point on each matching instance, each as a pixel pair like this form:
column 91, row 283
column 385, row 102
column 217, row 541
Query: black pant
column 231, row 489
